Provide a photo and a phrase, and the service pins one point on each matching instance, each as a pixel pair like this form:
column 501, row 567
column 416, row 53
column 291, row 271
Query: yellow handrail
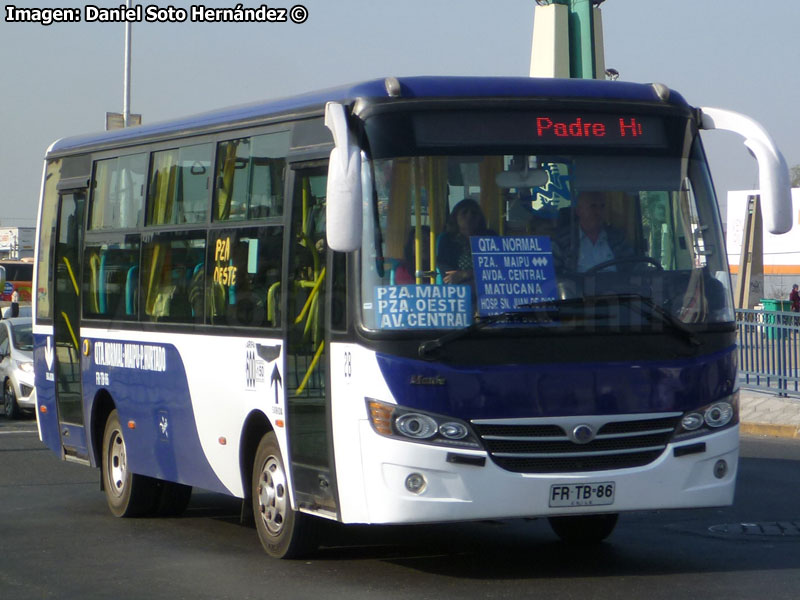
column 94, row 265
column 71, row 275
column 273, row 289
column 71, row 330
column 311, row 295
column 311, row 368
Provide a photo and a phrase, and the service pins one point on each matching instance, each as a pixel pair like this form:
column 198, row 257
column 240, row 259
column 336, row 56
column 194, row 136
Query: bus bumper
column 474, row 489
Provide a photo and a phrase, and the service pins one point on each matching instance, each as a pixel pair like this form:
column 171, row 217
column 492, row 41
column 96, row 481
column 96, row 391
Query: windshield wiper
column 532, row 315
column 528, row 316
column 664, row 316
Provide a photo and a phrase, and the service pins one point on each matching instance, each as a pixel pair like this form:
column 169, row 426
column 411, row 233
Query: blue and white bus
column 403, row 301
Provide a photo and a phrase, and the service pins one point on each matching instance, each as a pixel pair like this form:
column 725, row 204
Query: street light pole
column 126, row 101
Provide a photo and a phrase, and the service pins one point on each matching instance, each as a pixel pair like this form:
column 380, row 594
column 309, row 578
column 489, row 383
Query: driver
column 591, row 242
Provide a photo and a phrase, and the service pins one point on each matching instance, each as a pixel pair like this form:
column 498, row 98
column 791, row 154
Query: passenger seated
column 454, row 254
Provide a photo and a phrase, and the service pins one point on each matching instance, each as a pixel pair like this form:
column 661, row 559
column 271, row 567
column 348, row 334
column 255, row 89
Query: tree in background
column 794, row 175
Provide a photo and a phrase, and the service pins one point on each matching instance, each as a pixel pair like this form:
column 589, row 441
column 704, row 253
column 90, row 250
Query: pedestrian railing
column 769, row 351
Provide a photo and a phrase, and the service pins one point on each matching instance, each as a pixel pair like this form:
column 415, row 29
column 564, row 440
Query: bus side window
column 108, row 288
column 179, row 185
column 243, row 274
column 118, row 192
column 250, row 177
column 168, row 282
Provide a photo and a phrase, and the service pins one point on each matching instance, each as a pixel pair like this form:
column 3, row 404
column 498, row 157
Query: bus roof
column 411, row 87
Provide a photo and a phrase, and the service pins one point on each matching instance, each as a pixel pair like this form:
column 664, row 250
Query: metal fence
column 769, row 351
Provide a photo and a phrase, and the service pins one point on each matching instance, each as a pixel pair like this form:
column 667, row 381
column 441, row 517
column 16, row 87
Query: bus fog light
column 416, row 483
column 719, row 414
column 720, row 469
column 692, row 421
column 453, row 431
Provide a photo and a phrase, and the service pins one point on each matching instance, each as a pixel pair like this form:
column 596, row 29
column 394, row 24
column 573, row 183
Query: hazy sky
column 60, row 80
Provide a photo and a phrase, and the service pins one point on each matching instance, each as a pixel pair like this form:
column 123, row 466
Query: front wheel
column 284, row 532
column 127, row 494
column 10, row 401
column 584, row 529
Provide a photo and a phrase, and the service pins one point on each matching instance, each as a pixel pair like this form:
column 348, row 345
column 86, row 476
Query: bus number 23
column 348, row 364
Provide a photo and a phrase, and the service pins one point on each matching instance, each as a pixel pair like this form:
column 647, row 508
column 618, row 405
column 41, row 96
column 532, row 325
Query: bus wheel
column 283, row 532
column 584, row 529
column 127, row 494
column 10, row 401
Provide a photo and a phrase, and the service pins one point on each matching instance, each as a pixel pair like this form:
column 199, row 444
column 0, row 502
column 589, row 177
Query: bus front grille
column 551, row 446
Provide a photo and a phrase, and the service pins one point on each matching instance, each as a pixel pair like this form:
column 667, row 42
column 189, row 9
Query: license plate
column 582, row 494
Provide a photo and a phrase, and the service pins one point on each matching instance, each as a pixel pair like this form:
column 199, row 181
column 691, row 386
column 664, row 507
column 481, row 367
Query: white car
column 16, row 366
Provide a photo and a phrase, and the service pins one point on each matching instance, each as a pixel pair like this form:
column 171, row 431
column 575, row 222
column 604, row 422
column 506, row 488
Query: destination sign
column 512, row 271
column 550, row 128
column 423, row 306
column 582, row 128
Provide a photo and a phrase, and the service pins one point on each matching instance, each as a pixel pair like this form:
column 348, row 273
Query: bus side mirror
column 773, row 174
column 343, row 201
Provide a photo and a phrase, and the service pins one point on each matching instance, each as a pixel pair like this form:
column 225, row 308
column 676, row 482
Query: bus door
column 66, row 322
column 307, row 389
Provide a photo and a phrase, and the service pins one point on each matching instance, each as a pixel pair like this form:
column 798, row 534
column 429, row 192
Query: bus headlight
column 398, row 422
column 415, row 425
column 706, row 419
column 718, row 414
column 453, row 430
column 692, row 421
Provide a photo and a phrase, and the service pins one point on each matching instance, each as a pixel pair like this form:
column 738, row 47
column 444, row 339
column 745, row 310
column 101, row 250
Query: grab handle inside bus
column 773, row 173
column 343, row 202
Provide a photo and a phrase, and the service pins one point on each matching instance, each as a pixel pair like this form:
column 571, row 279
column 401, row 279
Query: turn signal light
column 381, row 417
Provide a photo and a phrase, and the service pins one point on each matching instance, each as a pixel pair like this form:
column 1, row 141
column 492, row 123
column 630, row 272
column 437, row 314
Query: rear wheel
column 284, row 532
column 127, row 494
column 10, row 401
column 584, row 529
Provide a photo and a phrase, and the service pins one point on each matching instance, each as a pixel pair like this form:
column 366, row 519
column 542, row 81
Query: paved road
column 57, row 540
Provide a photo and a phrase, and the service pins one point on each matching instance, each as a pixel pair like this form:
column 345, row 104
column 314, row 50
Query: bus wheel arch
column 256, row 426
column 101, row 408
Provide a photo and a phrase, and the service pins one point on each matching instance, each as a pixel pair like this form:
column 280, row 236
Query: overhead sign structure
column 568, row 40
column 117, row 121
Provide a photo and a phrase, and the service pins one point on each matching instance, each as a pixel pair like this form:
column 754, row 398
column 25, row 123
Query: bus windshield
column 576, row 233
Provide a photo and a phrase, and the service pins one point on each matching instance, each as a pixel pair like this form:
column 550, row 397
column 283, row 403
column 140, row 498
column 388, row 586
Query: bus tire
column 127, row 494
column 584, row 529
column 283, row 532
column 173, row 498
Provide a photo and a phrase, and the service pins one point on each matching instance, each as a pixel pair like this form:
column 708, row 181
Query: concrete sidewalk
column 765, row 413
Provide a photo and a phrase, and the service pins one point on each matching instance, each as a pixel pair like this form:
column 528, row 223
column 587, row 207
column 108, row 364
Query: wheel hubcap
column 272, row 497
column 117, row 463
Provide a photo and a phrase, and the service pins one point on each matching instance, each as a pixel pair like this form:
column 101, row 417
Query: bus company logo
column 163, row 426
column 582, row 434
column 425, row 380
